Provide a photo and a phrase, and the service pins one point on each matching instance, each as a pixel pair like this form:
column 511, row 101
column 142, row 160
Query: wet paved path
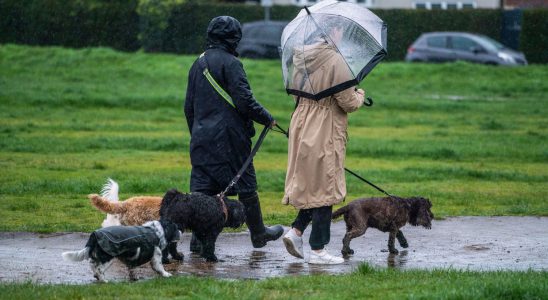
column 475, row 243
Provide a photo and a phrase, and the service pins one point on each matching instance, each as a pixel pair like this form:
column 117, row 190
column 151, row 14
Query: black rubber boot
column 195, row 245
column 260, row 234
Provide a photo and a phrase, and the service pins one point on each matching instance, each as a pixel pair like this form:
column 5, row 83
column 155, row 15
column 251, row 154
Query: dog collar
column 223, row 206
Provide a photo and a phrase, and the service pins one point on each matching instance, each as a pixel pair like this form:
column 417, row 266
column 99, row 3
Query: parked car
column 452, row 46
column 261, row 39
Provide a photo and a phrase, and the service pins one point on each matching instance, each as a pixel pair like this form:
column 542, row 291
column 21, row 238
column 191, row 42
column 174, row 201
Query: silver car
column 452, row 46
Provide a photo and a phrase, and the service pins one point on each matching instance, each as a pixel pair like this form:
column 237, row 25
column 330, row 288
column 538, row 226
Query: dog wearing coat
column 133, row 211
column 132, row 245
column 387, row 214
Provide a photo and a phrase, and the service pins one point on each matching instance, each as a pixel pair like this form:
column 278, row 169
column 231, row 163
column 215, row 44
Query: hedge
column 77, row 23
column 177, row 27
column 186, row 32
column 534, row 35
column 404, row 26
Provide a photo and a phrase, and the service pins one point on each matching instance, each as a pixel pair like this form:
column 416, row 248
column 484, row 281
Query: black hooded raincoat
column 220, row 133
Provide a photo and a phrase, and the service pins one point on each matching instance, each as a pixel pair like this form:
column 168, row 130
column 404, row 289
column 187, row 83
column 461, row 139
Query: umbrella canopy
column 331, row 32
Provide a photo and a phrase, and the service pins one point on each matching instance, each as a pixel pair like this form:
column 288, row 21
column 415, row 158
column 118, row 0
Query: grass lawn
column 471, row 138
column 365, row 283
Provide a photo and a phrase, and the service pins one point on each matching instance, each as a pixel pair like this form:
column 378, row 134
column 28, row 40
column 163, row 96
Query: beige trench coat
column 317, row 134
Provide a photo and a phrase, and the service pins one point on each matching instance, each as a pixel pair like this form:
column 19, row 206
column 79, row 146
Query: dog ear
column 169, row 198
column 172, row 193
column 236, row 213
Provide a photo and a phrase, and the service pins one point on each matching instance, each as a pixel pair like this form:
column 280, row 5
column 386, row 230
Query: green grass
column 471, row 138
column 365, row 283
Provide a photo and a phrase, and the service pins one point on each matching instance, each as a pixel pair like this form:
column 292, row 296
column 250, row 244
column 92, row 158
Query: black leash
column 246, row 163
column 282, row 131
column 368, row 182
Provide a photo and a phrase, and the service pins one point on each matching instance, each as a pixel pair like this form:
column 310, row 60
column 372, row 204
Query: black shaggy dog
column 202, row 214
column 387, row 214
column 132, row 245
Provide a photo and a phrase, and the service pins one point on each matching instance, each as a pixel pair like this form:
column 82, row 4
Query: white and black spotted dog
column 132, row 245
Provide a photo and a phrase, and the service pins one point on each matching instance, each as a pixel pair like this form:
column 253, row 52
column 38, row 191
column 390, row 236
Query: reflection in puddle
column 478, row 247
column 476, row 243
column 319, row 269
column 294, row 268
column 397, row 260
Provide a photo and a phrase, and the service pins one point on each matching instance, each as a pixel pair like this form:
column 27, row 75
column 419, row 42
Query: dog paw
column 165, row 260
column 166, row 274
column 347, row 252
column 394, row 251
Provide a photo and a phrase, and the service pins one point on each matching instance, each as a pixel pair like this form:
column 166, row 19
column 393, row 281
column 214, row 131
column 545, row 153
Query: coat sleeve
column 240, row 91
column 349, row 100
column 189, row 100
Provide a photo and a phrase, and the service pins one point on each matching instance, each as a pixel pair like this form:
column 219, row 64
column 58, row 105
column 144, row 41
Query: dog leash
column 282, row 131
column 243, row 168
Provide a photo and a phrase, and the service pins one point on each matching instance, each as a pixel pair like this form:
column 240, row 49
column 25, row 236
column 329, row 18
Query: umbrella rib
column 358, row 24
column 305, row 73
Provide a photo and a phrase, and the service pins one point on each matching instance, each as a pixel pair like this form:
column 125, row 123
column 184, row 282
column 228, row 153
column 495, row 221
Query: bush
column 534, row 35
column 153, row 21
column 79, row 23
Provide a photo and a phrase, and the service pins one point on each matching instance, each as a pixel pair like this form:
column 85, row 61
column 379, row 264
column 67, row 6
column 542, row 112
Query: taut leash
column 368, row 182
column 282, row 131
column 243, row 168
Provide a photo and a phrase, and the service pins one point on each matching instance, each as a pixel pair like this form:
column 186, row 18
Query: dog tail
column 110, row 190
column 76, row 255
column 339, row 212
column 105, row 205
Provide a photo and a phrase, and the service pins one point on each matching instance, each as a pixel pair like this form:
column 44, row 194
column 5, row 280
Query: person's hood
column 312, row 57
column 224, row 32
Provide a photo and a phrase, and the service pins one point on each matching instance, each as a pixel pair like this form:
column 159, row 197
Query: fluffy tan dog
column 134, row 211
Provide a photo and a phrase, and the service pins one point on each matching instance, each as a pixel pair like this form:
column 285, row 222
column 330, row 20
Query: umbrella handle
column 368, row 101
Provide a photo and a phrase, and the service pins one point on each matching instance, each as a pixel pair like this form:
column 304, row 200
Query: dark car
column 261, row 39
column 452, row 46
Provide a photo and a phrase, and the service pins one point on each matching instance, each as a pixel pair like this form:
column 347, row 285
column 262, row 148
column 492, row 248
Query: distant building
column 431, row 4
column 410, row 4
column 512, row 4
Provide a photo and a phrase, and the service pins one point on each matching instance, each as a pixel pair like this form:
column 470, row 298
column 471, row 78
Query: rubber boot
column 260, row 234
column 195, row 245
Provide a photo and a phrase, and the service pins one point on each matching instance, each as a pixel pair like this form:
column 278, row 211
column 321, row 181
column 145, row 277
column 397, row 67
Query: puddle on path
column 475, row 243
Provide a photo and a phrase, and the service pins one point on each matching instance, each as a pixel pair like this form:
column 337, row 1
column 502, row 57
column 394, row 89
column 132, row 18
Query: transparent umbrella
column 330, row 32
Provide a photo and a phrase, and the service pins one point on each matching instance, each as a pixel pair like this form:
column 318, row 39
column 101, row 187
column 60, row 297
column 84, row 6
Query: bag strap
column 216, row 86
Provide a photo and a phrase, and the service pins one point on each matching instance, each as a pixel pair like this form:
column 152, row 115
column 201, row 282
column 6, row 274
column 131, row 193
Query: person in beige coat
column 315, row 178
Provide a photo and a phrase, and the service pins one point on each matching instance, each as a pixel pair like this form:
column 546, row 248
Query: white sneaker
column 324, row 258
column 293, row 243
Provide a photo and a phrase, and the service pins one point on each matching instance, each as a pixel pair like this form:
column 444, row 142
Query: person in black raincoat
column 221, row 127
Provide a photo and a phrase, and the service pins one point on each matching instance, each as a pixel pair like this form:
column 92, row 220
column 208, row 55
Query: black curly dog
column 387, row 214
column 203, row 215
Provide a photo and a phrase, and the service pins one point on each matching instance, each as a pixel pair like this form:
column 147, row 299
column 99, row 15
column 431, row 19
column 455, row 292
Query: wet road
column 475, row 243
